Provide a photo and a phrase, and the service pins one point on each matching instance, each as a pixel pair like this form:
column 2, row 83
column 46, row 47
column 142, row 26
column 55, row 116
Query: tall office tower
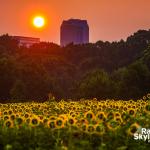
column 74, row 31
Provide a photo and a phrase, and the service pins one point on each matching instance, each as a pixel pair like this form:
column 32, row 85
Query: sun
column 39, row 21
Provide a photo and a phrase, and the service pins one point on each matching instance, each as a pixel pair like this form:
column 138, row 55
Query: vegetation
column 112, row 72
column 70, row 125
column 102, row 69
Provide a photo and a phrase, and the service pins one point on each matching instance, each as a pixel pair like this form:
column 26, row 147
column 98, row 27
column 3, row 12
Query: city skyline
column 112, row 21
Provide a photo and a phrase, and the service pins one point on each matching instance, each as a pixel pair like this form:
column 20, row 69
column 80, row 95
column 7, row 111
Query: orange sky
column 108, row 19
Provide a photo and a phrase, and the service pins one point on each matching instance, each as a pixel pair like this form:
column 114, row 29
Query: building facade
column 74, row 31
column 26, row 41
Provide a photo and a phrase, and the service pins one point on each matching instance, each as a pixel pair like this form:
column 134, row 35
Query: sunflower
column 88, row 108
column 51, row 124
column 117, row 107
column 125, row 116
column 148, row 95
column 113, row 125
column 99, row 129
column 27, row 121
column 84, row 127
column 131, row 101
column 41, row 117
column 110, row 115
column 129, row 106
column 125, row 108
column 90, row 129
column 117, row 114
column 90, row 102
column 52, row 118
column 26, row 115
column 35, row 121
column 131, row 112
column 89, row 115
column 73, row 114
column 144, row 97
column 19, row 121
column 118, row 119
column 12, row 117
column 10, row 111
column 45, row 120
column 94, row 99
column 64, row 117
column 5, row 112
column 133, row 128
column 101, row 116
column 59, row 123
column 8, row 123
column 147, row 108
column 71, row 121
column 83, row 121
column 5, row 117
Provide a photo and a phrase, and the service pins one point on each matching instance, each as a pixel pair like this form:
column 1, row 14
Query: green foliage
column 70, row 72
column 132, row 81
column 95, row 84
column 18, row 91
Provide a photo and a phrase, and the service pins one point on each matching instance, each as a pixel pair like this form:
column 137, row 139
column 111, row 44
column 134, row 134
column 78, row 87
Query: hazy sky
column 108, row 19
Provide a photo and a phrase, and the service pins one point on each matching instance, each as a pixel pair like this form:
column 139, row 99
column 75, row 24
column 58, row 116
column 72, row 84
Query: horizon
column 59, row 43
column 118, row 20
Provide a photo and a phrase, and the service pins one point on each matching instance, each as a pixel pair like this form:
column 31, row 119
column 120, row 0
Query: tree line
column 119, row 70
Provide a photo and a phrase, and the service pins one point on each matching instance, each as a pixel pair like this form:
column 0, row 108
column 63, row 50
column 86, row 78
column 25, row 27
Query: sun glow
column 38, row 21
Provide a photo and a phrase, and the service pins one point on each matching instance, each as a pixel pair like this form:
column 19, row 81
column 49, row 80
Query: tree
column 95, row 84
column 7, row 77
column 18, row 91
column 132, row 81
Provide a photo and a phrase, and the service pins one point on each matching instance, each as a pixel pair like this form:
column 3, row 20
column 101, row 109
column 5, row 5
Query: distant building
column 74, row 31
column 26, row 41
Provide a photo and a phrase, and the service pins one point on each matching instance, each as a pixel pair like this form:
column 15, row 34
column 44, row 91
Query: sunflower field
column 74, row 125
